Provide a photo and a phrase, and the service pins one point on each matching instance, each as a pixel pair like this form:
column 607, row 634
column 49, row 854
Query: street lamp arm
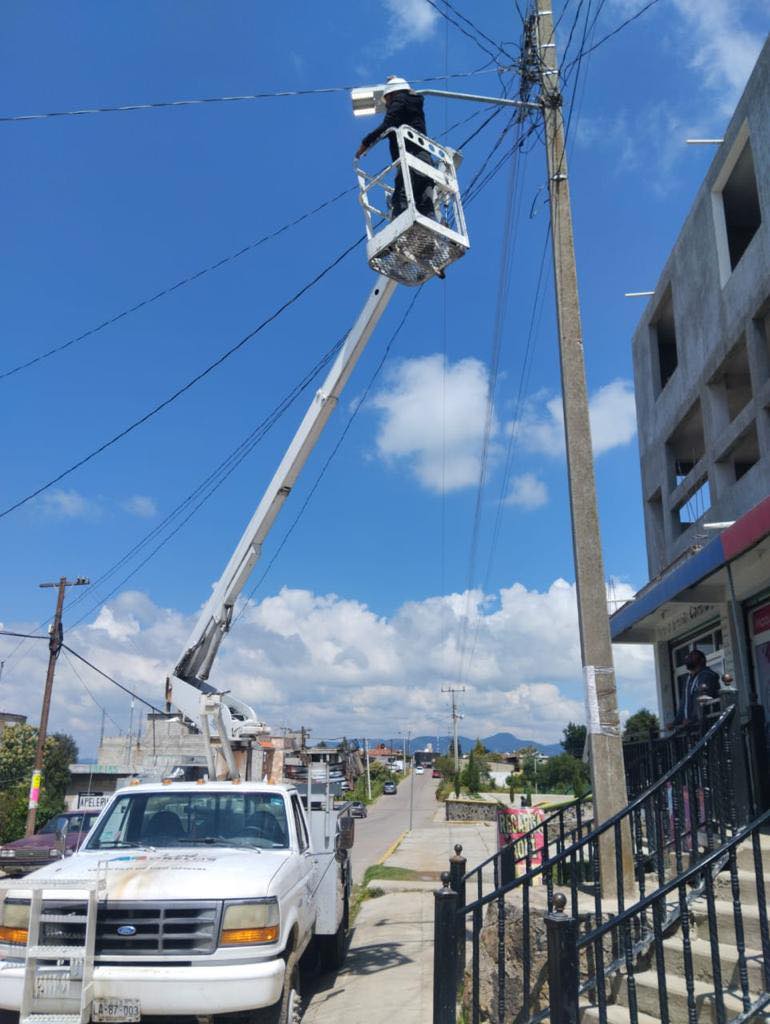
column 495, row 100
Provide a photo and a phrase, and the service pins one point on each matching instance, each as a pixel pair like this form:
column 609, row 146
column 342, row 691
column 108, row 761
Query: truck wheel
column 332, row 949
column 288, row 1009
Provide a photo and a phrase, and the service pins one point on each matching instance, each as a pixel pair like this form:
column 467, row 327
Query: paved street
column 389, row 818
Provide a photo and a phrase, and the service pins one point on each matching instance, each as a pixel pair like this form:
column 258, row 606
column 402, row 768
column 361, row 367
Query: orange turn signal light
column 19, row 935
column 248, row 936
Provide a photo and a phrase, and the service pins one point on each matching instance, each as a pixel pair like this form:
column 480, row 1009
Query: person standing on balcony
column 701, row 682
column 404, row 107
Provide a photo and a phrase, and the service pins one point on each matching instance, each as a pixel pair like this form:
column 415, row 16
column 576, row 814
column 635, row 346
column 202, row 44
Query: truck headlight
column 246, row 924
column 14, row 922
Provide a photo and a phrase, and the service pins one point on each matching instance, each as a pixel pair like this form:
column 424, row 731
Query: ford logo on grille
column 126, row 929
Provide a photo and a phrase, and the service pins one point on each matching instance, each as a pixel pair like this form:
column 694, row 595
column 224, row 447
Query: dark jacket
column 703, row 683
column 405, row 108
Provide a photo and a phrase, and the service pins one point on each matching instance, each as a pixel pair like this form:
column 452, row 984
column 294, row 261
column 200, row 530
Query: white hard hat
column 395, row 84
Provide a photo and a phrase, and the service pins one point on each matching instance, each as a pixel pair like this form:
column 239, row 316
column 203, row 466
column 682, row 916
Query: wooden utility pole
column 56, row 636
column 603, row 722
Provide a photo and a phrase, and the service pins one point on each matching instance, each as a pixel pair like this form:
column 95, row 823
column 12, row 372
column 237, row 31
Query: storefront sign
column 91, row 801
column 683, row 621
column 760, row 620
column 513, row 823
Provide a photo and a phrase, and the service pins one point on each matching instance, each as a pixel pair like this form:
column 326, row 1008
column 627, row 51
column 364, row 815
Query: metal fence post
column 563, row 975
column 457, row 867
column 445, row 953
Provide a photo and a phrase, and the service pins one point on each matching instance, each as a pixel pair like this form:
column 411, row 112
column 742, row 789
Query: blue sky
column 102, row 211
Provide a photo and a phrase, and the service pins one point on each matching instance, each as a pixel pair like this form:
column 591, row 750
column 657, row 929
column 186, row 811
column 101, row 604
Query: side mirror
column 346, row 833
column 61, row 837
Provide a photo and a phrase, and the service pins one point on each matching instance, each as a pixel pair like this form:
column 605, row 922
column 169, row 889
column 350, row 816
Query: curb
column 392, row 849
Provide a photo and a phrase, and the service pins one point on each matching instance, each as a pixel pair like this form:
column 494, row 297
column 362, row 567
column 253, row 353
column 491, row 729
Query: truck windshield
column 184, row 818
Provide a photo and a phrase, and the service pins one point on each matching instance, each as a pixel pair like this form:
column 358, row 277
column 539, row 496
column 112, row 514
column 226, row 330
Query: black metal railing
column 547, row 839
column 689, row 812
column 667, row 974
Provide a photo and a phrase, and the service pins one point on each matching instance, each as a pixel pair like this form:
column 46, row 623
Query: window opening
column 740, row 202
column 694, row 507
column 686, row 445
column 731, row 384
column 744, row 454
column 664, row 340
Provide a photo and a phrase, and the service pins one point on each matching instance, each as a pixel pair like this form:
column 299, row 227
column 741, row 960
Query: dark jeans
column 422, row 188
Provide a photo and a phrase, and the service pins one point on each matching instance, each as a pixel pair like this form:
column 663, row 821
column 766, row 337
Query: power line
column 187, row 386
column 160, row 104
column 179, row 284
column 473, row 37
column 218, row 476
column 26, row 636
column 83, row 683
column 614, row 32
column 120, row 686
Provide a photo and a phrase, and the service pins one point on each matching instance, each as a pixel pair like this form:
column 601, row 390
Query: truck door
column 307, row 866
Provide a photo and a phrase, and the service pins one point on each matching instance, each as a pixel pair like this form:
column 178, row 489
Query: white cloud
column 336, row 666
column 612, row 411
column 410, row 21
column 140, row 505
column 434, row 420
column 64, row 504
column 527, row 492
column 722, row 50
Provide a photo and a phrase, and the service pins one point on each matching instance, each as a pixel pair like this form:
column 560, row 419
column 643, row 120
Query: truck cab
column 206, row 895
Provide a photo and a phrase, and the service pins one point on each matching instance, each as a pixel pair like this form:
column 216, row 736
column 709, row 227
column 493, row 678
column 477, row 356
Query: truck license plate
column 103, row 1010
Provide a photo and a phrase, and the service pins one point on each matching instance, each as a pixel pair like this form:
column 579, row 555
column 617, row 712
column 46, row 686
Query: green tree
column 17, row 757
column 562, row 773
column 574, row 739
column 642, row 725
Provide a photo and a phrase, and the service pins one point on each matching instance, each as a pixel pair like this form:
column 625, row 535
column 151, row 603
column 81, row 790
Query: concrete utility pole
column 56, row 638
column 456, row 716
column 411, row 783
column 368, row 772
column 607, row 771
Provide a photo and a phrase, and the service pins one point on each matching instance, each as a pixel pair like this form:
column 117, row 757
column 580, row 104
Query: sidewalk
column 388, row 974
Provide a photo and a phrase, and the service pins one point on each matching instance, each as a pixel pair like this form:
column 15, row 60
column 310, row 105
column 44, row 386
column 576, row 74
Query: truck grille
column 187, row 927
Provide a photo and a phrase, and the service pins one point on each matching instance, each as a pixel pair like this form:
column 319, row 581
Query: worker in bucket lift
column 403, row 107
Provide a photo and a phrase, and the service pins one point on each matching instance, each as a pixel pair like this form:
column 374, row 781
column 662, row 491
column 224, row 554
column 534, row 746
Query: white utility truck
column 197, row 899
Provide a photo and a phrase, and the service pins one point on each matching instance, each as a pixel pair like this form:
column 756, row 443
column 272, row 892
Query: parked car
column 389, row 788
column 435, row 774
column 64, row 831
column 419, row 770
column 358, row 809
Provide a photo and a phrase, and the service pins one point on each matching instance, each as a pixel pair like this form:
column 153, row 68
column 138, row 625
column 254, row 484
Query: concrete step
column 726, row 922
column 747, row 883
column 648, row 998
column 673, row 955
column 615, row 1015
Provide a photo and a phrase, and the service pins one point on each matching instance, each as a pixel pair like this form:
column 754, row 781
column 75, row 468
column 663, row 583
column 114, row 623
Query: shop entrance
column 710, row 641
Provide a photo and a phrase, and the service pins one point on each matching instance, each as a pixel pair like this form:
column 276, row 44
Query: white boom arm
column 231, row 718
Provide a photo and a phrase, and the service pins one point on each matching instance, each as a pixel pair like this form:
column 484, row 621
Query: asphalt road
column 388, row 817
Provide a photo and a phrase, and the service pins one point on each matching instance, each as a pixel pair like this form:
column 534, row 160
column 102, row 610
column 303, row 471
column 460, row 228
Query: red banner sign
column 513, row 823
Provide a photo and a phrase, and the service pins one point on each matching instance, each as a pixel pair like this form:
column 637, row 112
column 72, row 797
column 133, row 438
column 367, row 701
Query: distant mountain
column 499, row 743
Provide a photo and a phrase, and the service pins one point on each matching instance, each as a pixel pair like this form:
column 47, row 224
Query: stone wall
column 470, row 810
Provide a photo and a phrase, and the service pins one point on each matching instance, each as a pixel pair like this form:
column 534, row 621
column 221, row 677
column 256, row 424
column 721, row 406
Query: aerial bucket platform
column 413, row 244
